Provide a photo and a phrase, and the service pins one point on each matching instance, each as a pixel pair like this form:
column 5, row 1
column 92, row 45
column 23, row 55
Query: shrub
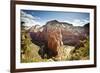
column 82, row 52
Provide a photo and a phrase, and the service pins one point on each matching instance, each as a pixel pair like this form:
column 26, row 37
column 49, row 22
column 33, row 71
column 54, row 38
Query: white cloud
column 86, row 21
column 78, row 22
column 29, row 19
column 25, row 15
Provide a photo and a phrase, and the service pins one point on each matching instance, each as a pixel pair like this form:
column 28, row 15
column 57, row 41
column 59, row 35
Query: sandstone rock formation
column 55, row 34
column 54, row 39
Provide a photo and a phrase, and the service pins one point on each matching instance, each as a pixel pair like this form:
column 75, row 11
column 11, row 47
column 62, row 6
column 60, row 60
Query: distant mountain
column 55, row 23
column 71, row 35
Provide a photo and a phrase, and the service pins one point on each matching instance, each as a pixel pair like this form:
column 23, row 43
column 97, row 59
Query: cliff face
column 54, row 34
column 70, row 34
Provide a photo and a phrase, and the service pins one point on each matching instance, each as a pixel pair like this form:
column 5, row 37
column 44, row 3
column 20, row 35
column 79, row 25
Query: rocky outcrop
column 54, row 40
column 65, row 53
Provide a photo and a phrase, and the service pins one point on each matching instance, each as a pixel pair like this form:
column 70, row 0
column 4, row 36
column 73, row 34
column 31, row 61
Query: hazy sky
column 32, row 17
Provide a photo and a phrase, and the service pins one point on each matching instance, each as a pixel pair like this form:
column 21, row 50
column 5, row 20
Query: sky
column 33, row 17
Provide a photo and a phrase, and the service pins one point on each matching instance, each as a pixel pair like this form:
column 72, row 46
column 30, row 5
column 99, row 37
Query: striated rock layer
column 55, row 34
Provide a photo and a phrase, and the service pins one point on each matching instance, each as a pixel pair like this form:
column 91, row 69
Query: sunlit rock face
column 54, row 39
